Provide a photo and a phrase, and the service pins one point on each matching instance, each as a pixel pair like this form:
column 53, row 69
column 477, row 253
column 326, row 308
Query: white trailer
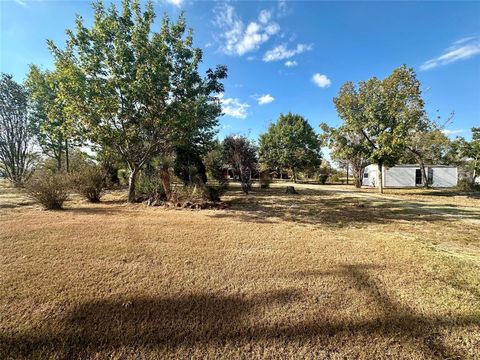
column 410, row 176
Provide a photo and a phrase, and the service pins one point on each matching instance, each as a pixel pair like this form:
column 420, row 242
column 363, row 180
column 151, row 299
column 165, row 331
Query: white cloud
column 452, row 132
column 290, row 63
column 460, row 50
column 239, row 38
column 233, row 107
column 321, row 80
column 265, row 99
column 281, row 52
column 177, row 3
column 264, row 16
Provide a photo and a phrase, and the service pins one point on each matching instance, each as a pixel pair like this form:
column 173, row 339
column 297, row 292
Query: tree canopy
column 135, row 90
column 290, row 143
column 382, row 112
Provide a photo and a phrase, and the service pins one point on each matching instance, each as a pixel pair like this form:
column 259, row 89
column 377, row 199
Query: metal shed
column 410, row 175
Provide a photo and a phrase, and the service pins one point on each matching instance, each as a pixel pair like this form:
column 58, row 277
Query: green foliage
column 149, row 185
column 16, row 153
column 467, row 154
column 241, row 154
column 188, row 164
column 138, row 92
column 290, row 143
column 382, row 112
column 322, row 178
column 89, row 181
column 215, row 166
column 122, row 175
column 54, row 129
column 49, row 189
column 348, row 147
column 466, row 184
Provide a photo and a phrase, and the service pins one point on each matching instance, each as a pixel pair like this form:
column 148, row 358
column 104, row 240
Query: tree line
column 136, row 98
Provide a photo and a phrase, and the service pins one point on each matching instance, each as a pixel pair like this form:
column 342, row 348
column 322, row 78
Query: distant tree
column 54, row 130
column 16, row 154
column 347, row 146
column 241, row 154
column 426, row 143
column 383, row 112
column 136, row 91
column 290, row 143
column 215, row 165
column 467, row 153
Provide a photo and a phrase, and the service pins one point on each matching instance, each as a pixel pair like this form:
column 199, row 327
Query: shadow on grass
column 337, row 208
column 201, row 319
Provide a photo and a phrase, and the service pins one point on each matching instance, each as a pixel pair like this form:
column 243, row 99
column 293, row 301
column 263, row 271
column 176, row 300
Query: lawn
column 329, row 273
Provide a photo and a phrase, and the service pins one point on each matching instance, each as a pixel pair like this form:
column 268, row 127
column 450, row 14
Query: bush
column 89, row 181
column 148, row 186
column 335, row 178
column 265, row 179
column 466, row 184
column 49, row 189
column 123, row 175
column 323, row 178
column 215, row 167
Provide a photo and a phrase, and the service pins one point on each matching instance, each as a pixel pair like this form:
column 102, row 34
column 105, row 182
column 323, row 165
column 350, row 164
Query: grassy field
column 329, row 273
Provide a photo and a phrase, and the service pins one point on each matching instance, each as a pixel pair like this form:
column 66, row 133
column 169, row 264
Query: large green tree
column 383, row 112
column 16, row 153
column 137, row 91
column 290, row 143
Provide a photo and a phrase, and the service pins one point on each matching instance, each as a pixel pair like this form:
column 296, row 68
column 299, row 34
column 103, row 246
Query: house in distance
column 410, row 176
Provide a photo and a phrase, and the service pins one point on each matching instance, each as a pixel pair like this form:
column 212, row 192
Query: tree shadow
column 194, row 320
column 320, row 207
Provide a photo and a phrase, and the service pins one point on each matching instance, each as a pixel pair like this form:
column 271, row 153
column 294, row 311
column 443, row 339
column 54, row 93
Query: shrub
column 323, row 178
column 215, row 167
column 123, row 175
column 466, row 184
column 335, row 178
column 48, row 188
column 265, row 179
column 89, row 181
column 148, row 186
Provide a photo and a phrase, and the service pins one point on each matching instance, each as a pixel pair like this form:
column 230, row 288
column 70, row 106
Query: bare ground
column 330, row 273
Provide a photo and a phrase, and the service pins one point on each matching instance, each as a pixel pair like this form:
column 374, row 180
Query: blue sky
column 294, row 56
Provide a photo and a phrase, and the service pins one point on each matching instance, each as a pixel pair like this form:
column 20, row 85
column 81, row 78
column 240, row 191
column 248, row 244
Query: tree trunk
column 424, row 174
column 474, row 171
column 165, row 178
column 59, row 160
column 67, row 159
column 131, row 185
column 347, row 173
column 294, row 175
column 380, row 178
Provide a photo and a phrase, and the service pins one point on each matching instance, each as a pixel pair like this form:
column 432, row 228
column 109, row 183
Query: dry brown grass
column 323, row 274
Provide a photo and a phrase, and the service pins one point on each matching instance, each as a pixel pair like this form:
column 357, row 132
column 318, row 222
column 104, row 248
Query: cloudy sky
column 294, row 56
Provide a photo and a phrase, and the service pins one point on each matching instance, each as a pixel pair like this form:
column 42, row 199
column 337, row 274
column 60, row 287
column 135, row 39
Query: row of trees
column 121, row 88
column 136, row 98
